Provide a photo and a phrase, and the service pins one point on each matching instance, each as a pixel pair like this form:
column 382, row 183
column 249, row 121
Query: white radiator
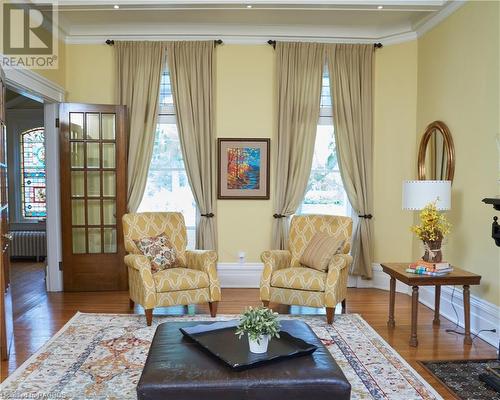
column 28, row 244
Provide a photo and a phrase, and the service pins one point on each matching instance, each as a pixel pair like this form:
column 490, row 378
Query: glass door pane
column 93, row 182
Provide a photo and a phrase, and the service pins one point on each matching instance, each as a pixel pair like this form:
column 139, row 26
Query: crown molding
column 425, row 26
column 260, row 34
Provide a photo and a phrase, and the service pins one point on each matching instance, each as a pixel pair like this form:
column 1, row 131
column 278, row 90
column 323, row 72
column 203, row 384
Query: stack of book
column 422, row 267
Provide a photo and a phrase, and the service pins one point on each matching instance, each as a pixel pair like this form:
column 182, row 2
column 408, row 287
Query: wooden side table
column 457, row 277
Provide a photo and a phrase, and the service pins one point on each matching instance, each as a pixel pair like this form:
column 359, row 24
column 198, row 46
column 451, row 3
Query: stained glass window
column 33, row 174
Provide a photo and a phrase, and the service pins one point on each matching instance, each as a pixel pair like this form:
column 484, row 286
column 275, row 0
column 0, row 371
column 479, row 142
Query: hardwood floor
column 39, row 315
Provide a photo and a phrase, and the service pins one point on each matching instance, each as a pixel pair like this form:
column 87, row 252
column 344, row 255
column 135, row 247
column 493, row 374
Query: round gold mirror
column 436, row 155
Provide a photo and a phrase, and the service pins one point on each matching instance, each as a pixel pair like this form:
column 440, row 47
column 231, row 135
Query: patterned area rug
column 100, row 356
column 461, row 377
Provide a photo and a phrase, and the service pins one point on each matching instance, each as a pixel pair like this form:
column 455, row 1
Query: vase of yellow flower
column 432, row 229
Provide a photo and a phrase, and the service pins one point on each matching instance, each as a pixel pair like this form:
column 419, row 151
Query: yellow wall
column 245, row 107
column 458, row 83
column 57, row 75
column 395, row 106
column 90, row 74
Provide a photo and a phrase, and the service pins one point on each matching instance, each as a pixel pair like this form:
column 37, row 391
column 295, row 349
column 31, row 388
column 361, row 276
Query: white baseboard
column 235, row 275
column 484, row 315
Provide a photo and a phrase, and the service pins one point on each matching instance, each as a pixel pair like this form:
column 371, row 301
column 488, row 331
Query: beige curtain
column 139, row 69
column 299, row 72
column 350, row 68
column 191, row 66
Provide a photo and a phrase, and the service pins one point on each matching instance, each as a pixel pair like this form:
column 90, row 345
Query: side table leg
column 414, row 315
column 392, row 299
column 467, row 338
column 437, row 302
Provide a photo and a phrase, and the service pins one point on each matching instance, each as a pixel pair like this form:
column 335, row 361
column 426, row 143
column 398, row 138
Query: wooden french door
column 93, row 150
column 6, row 327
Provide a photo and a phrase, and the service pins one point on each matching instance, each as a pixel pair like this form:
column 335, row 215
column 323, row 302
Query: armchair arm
column 336, row 280
column 273, row 260
column 205, row 261
column 142, row 287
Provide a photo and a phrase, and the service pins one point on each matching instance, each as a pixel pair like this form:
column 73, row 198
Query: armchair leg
column 265, row 303
column 131, row 303
column 149, row 316
column 213, row 308
column 329, row 315
column 343, row 306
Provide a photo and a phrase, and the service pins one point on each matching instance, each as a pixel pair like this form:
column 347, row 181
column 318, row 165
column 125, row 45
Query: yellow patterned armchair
column 195, row 281
column 284, row 280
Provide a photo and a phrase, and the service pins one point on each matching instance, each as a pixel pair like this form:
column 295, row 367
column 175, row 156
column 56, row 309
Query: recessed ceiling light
column 249, row 6
column 380, row 7
column 116, row 6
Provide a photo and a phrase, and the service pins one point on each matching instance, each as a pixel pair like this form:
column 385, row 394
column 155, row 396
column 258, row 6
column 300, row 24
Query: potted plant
column 432, row 229
column 261, row 325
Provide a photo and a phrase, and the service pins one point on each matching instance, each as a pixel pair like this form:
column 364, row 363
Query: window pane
column 109, row 240
column 108, row 126
column 32, row 162
column 77, row 184
column 93, row 155
column 76, row 155
column 93, row 212
column 76, row 125
column 78, row 212
column 108, row 155
column 94, row 240
column 167, row 187
column 325, row 192
column 93, row 184
column 108, row 183
column 93, row 126
column 109, row 212
column 78, row 238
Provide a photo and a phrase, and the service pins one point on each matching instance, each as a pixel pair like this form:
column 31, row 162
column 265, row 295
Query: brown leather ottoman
column 177, row 369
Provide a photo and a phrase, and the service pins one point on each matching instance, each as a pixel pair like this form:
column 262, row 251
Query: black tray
column 220, row 340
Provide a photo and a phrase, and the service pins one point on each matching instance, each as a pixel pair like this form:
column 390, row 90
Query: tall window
column 167, row 187
column 325, row 192
column 32, row 157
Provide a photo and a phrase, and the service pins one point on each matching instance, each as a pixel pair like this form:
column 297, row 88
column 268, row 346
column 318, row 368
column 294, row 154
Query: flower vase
column 259, row 346
column 433, row 253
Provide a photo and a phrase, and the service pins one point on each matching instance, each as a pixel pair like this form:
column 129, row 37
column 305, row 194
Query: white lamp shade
column 418, row 194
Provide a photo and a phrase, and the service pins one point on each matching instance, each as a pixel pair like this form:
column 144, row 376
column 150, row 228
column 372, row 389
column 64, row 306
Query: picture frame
column 243, row 168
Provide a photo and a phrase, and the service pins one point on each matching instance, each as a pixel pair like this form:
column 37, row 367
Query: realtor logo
column 29, row 35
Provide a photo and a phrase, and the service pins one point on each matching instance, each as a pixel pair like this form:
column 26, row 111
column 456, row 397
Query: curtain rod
column 375, row 45
column 111, row 42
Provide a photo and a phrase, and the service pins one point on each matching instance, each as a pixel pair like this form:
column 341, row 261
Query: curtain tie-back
column 208, row 215
column 366, row 216
column 279, row 216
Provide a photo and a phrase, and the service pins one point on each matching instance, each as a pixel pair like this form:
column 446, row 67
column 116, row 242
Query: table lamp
column 418, row 194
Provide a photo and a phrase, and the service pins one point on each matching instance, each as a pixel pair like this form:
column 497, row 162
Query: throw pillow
column 320, row 250
column 160, row 252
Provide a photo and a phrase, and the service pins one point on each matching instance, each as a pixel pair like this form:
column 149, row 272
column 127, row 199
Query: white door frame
column 32, row 85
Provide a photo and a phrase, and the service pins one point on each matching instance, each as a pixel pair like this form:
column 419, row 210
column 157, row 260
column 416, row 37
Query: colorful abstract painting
column 243, row 168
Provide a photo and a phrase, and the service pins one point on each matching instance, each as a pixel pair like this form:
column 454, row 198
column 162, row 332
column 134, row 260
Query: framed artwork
column 243, row 168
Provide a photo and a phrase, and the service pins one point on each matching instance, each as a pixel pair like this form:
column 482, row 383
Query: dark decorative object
column 220, row 340
column 495, row 226
column 465, row 378
column 433, row 253
column 243, row 169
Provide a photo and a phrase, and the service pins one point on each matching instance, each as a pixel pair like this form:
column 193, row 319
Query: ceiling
column 250, row 21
